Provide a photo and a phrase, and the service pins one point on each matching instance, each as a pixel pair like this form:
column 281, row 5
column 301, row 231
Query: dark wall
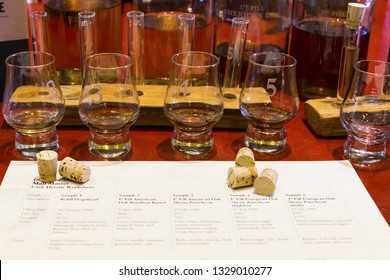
column 7, row 48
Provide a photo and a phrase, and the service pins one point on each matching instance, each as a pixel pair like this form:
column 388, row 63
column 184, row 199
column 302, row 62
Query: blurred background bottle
column 316, row 42
column 161, row 40
column 63, row 32
column 268, row 29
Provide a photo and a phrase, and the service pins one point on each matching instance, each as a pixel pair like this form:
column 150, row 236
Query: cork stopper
column 355, row 14
column 265, row 183
column 47, row 165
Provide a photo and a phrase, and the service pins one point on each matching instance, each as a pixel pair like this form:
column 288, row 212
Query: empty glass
column 32, row 102
column 193, row 102
column 268, row 100
column 109, row 103
column 365, row 114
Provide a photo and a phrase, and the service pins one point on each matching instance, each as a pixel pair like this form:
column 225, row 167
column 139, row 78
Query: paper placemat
column 185, row 210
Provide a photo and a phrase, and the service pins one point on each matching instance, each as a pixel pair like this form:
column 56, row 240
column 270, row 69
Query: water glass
column 193, row 101
column 268, row 100
column 32, row 102
column 109, row 103
column 365, row 114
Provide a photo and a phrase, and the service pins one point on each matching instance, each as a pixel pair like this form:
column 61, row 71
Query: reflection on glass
column 365, row 114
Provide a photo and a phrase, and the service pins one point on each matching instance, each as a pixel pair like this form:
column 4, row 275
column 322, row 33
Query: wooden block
column 323, row 116
column 152, row 113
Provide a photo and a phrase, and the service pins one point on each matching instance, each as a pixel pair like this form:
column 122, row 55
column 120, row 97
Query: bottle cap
column 355, row 14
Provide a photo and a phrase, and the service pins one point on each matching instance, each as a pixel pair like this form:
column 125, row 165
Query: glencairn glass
column 109, row 103
column 32, row 102
column 365, row 114
column 268, row 100
column 193, row 101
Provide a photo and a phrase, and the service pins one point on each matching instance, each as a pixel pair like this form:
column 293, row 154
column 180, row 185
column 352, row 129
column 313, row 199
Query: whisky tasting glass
column 268, row 100
column 365, row 114
column 109, row 103
column 193, row 101
column 32, row 102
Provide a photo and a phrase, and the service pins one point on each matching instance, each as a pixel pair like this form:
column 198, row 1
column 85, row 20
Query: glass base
column 29, row 144
column 109, row 145
column 364, row 156
column 262, row 141
column 192, row 143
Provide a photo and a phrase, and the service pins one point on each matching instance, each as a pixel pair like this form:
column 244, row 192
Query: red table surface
column 153, row 143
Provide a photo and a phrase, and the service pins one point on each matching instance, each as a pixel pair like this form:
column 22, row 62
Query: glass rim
column 128, row 61
column 284, row 55
column 240, row 20
column 87, row 14
column 210, row 65
column 377, row 62
column 31, row 55
column 135, row 14
column 38, row 14
column 187, row 16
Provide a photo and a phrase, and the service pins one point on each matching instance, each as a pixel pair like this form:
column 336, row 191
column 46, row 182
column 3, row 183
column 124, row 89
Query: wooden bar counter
column 153, row 143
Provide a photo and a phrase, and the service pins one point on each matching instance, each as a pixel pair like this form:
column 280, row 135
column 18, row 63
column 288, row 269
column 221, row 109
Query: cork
column 245, row 157
column 266, row 182
column 47, row 165
column 241, row 176
column 73, row 170
column 355, row 14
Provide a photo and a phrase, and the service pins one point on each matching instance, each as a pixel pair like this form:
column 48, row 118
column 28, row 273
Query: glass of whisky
column 268, row 100
column 32, row 102
column 108, row 104
column 365, row 114
column 193, row 101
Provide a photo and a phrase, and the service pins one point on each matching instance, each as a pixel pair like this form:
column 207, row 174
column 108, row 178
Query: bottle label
column 262, row 9
column 13, row 20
